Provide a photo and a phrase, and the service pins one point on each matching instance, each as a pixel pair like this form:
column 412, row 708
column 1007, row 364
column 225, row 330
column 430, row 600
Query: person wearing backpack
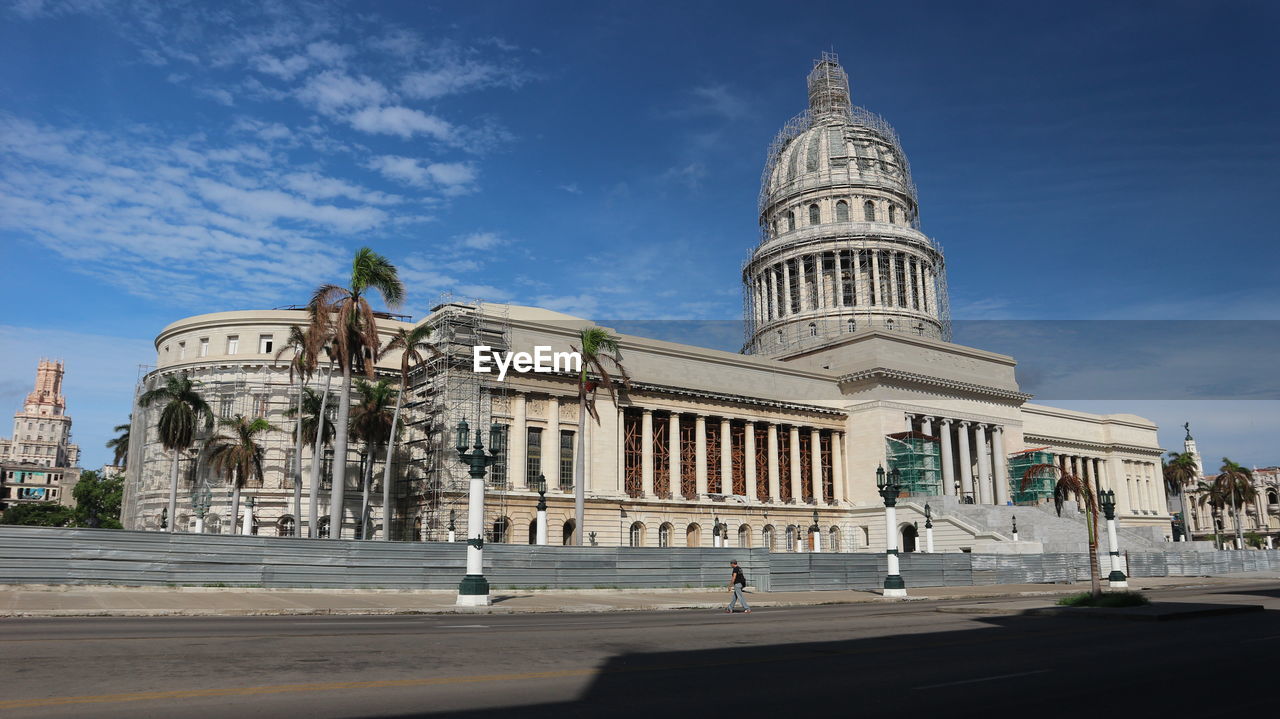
column 737, row 582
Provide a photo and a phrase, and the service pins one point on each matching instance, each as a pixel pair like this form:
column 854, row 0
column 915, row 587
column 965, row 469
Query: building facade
column 847, row 367
column 39, row 461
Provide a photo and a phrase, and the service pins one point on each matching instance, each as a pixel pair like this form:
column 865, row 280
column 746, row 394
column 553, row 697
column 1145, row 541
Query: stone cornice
column 884, row 374
column 1101, row 447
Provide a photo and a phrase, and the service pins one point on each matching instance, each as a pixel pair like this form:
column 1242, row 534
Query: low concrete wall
column 40, row 555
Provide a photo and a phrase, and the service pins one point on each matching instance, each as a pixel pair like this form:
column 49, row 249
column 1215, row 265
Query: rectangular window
column 264, row 344
column 182, row 350
column 226, row 403
column 533, row 456
column 566, row 460
column 326, row 476
column 233, row 344
column 498, row 470
column 204, row 346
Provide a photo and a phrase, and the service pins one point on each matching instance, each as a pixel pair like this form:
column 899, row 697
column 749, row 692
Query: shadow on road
column 1048, row 666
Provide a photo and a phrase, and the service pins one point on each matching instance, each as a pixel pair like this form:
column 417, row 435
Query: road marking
column 982, row 679
column 464, row 626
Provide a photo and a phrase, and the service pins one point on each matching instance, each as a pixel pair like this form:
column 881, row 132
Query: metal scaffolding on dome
column 916, row 456
column 1040, row 488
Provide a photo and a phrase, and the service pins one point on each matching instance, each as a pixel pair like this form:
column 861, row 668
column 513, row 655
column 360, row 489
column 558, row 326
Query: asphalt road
column 856, row 660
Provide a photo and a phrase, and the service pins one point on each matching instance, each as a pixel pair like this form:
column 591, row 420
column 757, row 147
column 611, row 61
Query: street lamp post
column 473, row 591
column 928, row 528
column 247, row 527
column 541, row 533
column 817, row 533
column 889, row 488
column 201, row 498
column 1116, row 579
column 716, row 539
column 1014, row 517
column 453, row 525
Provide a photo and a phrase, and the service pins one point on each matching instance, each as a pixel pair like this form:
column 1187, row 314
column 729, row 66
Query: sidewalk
column 88, row 601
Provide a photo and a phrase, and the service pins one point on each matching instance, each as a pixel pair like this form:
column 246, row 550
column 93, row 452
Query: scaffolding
column 916, row 457
column 1040, row 485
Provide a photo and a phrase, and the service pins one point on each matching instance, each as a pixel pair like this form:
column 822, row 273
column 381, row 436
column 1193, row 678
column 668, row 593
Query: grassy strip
column 1108, row 599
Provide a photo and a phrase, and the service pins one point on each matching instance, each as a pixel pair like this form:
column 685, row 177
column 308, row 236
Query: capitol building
column 846, row 366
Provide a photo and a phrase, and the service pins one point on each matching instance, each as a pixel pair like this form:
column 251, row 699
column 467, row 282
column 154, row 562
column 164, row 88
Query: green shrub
column 1108, row 599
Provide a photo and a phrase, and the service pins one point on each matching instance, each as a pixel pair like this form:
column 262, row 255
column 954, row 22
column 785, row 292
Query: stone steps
column 1066, row 533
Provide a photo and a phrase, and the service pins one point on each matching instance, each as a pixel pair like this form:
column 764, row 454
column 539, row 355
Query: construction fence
column 43, row 555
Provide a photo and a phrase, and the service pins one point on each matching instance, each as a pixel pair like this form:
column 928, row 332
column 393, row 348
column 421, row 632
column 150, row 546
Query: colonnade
column 669, row 454
column 972, row 457
column 836, row 279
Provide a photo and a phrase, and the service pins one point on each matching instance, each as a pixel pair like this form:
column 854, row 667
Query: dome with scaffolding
column 840, row 249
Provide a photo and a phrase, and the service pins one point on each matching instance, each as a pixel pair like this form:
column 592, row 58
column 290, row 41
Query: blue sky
column 1078, row 162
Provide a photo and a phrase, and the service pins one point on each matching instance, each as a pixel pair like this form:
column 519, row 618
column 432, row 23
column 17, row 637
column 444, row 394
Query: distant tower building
column 1189, row 446
column 841, row 249
column 42, row 429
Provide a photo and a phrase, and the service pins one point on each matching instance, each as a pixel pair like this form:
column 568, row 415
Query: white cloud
column 403, row 121
column 328, row 53
column 453, row 78
column 314, row 186
column 285, row 69
column 452, row 178
column 481, row 240
column 218, row 95
column 571, row 188
column 332, row 91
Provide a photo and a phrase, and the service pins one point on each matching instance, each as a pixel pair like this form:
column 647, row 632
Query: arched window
column 864, row 536
column 834, row 539
column 566, row 533
column 664, row 535
column 693, row 536
column 766, row 537
column 744, row 536
column 791, row 538
column 869, row 211
column 813, row 329
column 791, row 220
column 285, row 526
column 637, row 534
column 501, row 530
column 909, row 536
column 324, row 528
column 813, row 214
column 842, row 211
column 533, row 531
column 779, row 336
column 893, row 214
column 851, row 325
column 888, row 324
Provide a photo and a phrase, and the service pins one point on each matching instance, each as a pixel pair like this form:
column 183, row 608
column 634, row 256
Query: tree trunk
column 365, row 483
column 386, row 470
column 580, row 477
column 1095, row 578
column 317, row 461
column 173, row 493
column 340, row 453
column 297, row 464
column 235, row 505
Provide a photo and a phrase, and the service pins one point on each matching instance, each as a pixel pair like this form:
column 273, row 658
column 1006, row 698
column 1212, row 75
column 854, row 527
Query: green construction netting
column 1041, row 485
column 916, row 456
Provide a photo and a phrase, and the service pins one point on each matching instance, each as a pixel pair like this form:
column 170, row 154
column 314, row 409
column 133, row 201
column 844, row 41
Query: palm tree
column 238, row 456
column 184, row 410
column 410, row 343
column 302, row 364
column 371, row 422
column 1209, row 495
column 1180, row 471
column 1235, row 484
column 119, row 445
column 598, row 346
column 317, row 433
column 342, row 317
column 1067, row 486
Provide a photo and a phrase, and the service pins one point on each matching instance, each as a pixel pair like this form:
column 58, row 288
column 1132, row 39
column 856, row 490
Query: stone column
column 646, row 453
column 749, row 456
column 815, row 468
column 786, row 288
column 948, row 461
column 726, row 458
column 926, row 425
column 1116, row 472
column 837, row 280
column 1001, row 474
column 517, row 460
column 820, row 279
column 966, row 466
column 771, row 287
column 551, row 445
column 673, row 454
column 700, row 441
column 837, row 465
column 797, row 483
column 876, row 287
column 984, row 464
column 775, row 491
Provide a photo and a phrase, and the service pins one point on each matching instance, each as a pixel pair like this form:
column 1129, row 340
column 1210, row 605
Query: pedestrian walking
column 737, row 582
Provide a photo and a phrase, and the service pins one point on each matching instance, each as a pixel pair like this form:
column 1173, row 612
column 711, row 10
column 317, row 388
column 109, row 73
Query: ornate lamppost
column 1116, row 579
column 201, row 498
column 473, row 591
column 1014, row 517
column 716, row 539
column 817, row 533
column 453, row 526
column 540, row 536
column 889, row 489
column 928, row 528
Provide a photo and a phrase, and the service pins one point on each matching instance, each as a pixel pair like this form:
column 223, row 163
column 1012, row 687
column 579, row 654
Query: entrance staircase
column 1039, row 523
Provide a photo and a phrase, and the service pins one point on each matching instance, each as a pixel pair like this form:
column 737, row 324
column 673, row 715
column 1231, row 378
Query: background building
column 39, row 460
